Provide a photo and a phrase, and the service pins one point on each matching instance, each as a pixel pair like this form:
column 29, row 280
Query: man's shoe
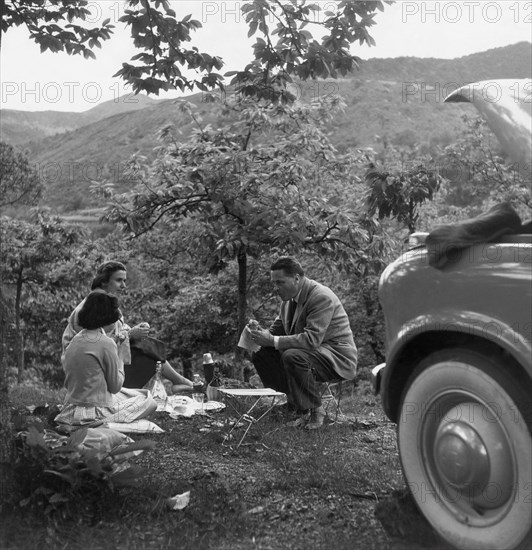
column 297, row 423
column 300, row 421
column 317, row 416
column 283, row 407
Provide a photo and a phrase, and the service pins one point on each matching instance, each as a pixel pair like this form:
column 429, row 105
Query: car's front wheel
column 466, row 449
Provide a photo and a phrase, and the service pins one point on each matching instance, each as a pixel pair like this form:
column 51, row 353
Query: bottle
column 157, row 388
column 208, row 368
column 216, row 382
column 212, row 389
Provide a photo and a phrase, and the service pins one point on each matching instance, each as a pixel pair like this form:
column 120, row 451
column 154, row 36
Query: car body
column 458, row 373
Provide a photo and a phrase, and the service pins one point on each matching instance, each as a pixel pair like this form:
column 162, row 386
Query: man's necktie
column 291, row 310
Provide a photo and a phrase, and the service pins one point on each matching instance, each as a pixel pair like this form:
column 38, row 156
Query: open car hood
column 507, row 107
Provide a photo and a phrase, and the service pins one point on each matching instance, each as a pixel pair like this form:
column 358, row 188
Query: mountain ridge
column 394, row 99
column 18, row 126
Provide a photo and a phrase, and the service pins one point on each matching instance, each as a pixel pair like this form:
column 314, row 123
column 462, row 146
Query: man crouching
column 309, row 342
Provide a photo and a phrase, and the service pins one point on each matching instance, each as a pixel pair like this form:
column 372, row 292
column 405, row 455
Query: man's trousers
column 295, row 372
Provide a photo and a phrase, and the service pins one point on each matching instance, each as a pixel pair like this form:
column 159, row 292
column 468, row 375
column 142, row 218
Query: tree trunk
column 411, row 217
column 242, row 302
column 188, row 371
column 373, row 308
column 18, row 329
column 6, row 431
column 242, row 290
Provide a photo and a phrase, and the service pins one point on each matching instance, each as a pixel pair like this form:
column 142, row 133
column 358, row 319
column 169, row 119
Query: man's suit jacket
column 320, row 324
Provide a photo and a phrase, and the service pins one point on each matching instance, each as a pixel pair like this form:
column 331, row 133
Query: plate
column 210, row 406
column 176, row 400
column 182, row 402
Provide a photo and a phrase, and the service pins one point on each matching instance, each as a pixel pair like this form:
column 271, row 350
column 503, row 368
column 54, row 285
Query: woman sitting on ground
column 111, row 278
column 94, row 373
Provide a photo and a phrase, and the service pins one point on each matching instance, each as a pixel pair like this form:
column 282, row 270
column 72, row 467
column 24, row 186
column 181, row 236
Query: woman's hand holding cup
column 140, row 331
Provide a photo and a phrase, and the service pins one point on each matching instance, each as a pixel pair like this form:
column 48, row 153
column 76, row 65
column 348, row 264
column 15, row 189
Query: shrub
column 67, row 480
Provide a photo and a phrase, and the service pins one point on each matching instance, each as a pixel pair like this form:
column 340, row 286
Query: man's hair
column 289, row 265
column 99, row 310
column 104, row 272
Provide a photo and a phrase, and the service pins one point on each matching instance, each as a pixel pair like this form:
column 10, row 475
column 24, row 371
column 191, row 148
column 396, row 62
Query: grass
column 26, row 395
column 286, row 489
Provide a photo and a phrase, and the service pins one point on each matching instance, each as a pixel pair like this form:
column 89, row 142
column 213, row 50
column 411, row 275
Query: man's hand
column 253, row 324
column 261, row 337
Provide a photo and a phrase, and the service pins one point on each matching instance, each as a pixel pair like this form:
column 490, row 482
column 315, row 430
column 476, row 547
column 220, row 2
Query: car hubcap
column 472, row 457
column 461, row 456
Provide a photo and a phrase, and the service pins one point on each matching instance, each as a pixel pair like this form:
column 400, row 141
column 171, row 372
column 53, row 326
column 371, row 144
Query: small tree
column 20, row 183
column 6, row 433
column 29, row 250
column 398, row 191
column 257, row 186
column 476, row 171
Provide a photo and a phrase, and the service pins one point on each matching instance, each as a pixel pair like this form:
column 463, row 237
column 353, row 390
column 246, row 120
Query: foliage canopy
column 284, row 48
column 53, row 25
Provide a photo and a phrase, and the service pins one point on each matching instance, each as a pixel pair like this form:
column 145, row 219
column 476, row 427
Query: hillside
column 19, row 127
column 399, row 100
column 514, row 61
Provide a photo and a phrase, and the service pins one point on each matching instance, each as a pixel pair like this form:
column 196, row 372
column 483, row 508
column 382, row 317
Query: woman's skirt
column 141, row 369
column 129, row 405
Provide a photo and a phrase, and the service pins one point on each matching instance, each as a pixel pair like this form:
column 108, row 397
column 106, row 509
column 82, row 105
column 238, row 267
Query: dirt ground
column 337, row 488
column 340, row 487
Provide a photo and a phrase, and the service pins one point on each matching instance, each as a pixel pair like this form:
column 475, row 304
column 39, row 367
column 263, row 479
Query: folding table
column 244, row 407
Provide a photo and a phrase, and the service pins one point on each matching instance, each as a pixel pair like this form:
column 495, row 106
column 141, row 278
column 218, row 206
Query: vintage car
column 458, row 373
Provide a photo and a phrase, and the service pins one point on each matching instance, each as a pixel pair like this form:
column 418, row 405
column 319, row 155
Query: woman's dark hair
column 99, row 310
column 104, row 272
column 289, row 265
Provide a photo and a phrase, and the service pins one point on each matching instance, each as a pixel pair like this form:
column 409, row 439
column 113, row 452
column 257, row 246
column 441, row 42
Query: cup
column 199, row 398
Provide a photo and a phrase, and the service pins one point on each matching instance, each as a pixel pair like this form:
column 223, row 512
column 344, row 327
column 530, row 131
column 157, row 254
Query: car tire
column 465, row 445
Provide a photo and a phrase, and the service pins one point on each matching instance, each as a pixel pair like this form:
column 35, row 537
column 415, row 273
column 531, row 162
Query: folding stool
column 331, row 397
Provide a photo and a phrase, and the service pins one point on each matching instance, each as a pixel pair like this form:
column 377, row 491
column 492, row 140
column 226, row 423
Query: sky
column 32, row 81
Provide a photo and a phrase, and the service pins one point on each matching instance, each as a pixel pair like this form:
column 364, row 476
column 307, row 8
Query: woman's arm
column 139, row 331
column 113, row 366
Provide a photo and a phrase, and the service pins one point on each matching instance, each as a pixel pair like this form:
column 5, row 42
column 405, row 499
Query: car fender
column 514, row 340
